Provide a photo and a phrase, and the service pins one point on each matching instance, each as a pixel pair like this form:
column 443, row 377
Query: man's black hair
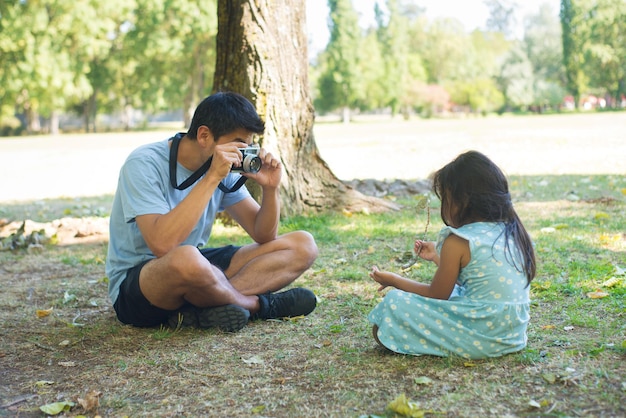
column 223, row 113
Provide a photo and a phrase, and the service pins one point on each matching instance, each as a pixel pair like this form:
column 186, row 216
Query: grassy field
column 60, row 341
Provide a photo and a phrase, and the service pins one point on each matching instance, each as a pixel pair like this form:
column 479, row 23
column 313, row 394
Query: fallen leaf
column 371, row 249
column 401, row 405
column 325, row 343
column 91, row 401
column 469, row 364
column 67, row 363
column 68, row 297
column 601, row 215
column 548, row 327
column 597, row 295
column 294, row 318
column 423, row 380
column 534, row 404
column 258, row 409
column 549, row 377
column 42, row 313
column 612, row 282
column 253, row 360
column 41, row 383
column 56, row 408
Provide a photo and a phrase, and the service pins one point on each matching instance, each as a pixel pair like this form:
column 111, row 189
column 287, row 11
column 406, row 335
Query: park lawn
column 62, row 343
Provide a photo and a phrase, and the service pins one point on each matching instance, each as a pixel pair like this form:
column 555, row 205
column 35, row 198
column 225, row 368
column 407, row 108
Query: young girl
column 477, row 304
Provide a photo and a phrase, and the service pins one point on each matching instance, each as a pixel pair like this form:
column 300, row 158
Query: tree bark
column 262, row 54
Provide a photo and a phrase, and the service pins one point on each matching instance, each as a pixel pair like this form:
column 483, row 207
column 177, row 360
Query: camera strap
column 198, row 173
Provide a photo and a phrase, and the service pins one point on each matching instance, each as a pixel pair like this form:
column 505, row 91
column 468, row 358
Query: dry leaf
column 401, row 405
column 42, row 313
column 612, row 282
column 548, row 327
column 253, row 360
column 597, row 294
column 91, row 401
column 423, row 380
column 67, row 363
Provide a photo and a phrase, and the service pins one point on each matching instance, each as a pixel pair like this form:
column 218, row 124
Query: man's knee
column 188, row 265
column 305, row 247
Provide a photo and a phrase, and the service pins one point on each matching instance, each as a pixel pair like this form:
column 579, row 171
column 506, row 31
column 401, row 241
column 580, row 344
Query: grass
column 327, row 364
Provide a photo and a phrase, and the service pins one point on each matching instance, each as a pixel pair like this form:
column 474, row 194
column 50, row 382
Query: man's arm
column 164, row 232
column 261, row 222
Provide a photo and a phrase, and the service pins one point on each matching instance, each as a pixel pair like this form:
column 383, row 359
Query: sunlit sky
column 472, row 13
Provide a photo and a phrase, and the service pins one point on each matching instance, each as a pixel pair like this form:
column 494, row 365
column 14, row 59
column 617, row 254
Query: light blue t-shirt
column 143, row 188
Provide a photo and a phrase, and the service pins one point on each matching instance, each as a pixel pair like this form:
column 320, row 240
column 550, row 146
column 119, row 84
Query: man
column 167, row 198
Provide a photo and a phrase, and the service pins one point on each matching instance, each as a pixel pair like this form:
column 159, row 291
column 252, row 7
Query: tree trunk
column 54, row 122
column 262, row 54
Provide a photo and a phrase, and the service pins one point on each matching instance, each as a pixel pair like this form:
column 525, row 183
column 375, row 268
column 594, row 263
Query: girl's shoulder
column 472, row 232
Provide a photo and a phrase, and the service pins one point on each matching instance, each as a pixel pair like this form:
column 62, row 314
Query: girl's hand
column 425, row 250
column 384, row 278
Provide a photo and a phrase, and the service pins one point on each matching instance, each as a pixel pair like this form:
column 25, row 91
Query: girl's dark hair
column 223, row 113
column 473, row 189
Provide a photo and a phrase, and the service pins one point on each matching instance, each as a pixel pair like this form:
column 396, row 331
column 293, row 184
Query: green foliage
column 104, row 56
column 340, row 81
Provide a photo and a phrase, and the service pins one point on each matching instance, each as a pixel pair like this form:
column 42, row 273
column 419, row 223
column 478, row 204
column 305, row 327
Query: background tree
column 501, row 16
column 273, row 74
column 516, row 79
column 341, row 83
column 542, row 44
column 393, row 39
column 606, row 50
column 575, row 31
column 173, row 46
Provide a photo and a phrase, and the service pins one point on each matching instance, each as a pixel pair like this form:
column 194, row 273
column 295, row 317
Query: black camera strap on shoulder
column 198, row 173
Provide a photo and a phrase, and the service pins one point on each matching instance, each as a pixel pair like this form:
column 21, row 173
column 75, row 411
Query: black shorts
column 133, row 308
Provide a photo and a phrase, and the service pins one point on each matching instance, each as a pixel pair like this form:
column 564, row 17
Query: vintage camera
column 251, row 162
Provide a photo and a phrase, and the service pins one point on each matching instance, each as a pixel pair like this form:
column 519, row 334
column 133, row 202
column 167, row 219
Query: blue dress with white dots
column 485, row 316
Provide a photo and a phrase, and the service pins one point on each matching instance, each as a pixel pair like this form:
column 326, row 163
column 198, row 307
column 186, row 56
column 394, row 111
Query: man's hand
column 225, row 156
column 271, row 170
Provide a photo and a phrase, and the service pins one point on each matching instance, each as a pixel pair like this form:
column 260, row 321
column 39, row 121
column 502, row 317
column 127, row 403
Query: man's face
column 240, row 135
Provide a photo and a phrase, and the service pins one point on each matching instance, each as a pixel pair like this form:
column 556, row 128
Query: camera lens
column 251, row 164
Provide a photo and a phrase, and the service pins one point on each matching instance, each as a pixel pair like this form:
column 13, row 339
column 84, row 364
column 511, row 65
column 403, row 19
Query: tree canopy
column 121, row 57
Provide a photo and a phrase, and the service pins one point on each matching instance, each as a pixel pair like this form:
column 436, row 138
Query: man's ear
column 204, row 136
